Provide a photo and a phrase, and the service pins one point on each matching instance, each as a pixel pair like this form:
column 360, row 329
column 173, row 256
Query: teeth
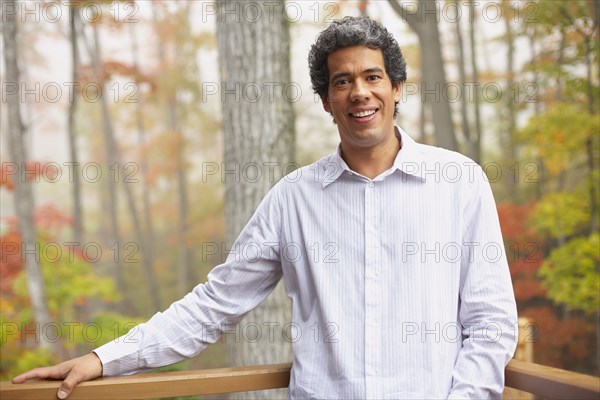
column 362, row 114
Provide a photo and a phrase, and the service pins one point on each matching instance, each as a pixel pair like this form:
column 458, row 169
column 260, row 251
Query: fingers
column 67, row 386
column 54, row 372
column 84, row 369
column 73, row 371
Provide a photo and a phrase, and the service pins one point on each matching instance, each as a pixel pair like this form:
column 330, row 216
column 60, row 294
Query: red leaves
column 50, row 218
column 560, row 341
column 109, row 69
column 11, row 261
column 513, row 220
column 524, row 250
column 29, row 171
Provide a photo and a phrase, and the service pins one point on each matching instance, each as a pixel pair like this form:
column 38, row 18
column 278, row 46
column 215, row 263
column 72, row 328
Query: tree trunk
column 73, row 152
column 115, row 162
column 111, row 161
column 261, row 132
column 532, row 35
column 511, row 120
column 24, row 202
column 185, row 254
column 589, row 143
column 422, row 119
column 475, row 72
column 587, row 34
column 464, row 105
column 559, row 62
column 423, row 22
column 147, row 239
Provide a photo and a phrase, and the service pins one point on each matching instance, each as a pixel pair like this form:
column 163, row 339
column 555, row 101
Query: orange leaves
column 110, row 69
column 524, row 250
column 6, row 172
column 558, row 135
column 559, row 342
column 513, row 220
column 50, row 218
column 525, row 283
column 11, row 261
column 30, row 171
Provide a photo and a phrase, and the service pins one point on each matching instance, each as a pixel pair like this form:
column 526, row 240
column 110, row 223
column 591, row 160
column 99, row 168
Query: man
column 390, row 250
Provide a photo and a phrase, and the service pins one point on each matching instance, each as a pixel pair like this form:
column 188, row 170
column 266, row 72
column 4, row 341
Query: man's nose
column 359, row 91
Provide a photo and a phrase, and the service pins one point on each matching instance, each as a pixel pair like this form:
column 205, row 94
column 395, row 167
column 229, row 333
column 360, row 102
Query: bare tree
column 464, row 105
column 261, row 132
column 94, row 50
column 511, row 114
column 73, row 152
column 424, row 23
column 148, row 237
column 171, row 108
column 588, row 33
column 24, row 202
column 475, row 73
column 115, row 161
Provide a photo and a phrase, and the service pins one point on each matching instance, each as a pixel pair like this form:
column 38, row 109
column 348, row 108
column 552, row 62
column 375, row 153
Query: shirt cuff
column 119, row 357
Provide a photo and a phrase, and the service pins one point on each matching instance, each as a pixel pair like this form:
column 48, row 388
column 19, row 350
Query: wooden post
column 524, row 352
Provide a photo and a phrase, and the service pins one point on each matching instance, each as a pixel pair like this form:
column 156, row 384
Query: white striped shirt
column 399, row 285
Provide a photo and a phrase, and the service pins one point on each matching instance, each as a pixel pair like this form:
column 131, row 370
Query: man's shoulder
column 310, row 175
column 431, row 153
column 438, row 165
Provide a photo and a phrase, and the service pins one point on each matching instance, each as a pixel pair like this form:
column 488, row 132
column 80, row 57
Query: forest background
column 114, row 185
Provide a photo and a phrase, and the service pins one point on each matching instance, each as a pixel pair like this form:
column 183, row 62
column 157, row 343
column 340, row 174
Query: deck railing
column 546, row 382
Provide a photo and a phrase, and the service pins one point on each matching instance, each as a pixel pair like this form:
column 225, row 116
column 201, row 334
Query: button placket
column 372, row 294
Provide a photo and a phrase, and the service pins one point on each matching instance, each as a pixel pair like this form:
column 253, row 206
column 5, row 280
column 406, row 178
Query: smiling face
column 361, row 97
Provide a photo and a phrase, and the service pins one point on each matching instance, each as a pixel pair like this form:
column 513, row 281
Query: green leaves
column 69, row 280
column 561, row 214
column 558, row 135
column 571, row 274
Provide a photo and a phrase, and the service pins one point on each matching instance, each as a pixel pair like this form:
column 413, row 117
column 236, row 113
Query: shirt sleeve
column 487, row 308
column 250, row 272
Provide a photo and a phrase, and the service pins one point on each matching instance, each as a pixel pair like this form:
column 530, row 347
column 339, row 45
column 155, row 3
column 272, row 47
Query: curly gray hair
column 354, row 31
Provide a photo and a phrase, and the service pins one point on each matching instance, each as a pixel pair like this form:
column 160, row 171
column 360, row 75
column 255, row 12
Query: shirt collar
column 408, row 160
column 333, row 167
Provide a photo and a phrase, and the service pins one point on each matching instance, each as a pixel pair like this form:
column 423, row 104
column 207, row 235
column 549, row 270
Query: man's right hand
column 72, row 372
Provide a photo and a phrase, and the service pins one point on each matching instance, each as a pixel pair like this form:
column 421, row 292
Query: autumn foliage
column 562, row 337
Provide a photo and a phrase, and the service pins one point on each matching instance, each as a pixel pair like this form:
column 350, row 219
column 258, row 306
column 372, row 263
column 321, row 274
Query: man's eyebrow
column 344, row 74
column 374, row 69
column 339, row 75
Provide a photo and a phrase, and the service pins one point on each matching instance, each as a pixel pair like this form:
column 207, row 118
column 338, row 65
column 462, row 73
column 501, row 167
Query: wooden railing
column 547, row 382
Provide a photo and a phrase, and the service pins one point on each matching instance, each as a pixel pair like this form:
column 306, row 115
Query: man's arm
column 487, row 309
column 249, row 274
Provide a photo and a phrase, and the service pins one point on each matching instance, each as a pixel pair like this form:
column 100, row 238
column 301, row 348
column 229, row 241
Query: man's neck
column 372, row 162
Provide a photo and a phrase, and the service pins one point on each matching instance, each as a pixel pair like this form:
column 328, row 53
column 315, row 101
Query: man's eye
column 373, row 77
column 342, row 82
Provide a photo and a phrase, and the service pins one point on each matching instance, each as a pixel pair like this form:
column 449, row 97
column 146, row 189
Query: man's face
column 361, row 97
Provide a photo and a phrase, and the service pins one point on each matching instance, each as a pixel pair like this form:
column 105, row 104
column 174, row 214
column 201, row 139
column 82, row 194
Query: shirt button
column 371, row 184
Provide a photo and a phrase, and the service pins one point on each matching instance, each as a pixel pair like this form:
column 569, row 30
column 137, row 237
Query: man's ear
column 397, row 92
column 326, row 104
